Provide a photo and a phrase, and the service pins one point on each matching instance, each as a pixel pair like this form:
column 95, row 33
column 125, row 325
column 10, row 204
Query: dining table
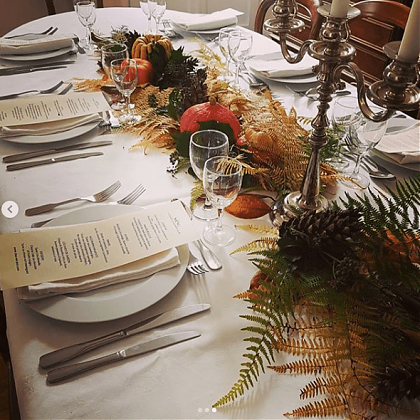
column 178, row 382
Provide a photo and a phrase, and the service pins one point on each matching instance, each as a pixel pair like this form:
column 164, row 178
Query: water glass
column 363, row 135
column 223, row 41
column 157, row 9
column 205, row 144
column 239, row 45
column 124, row 75
column 144, row 4
column 222, row 182
column 86, row 12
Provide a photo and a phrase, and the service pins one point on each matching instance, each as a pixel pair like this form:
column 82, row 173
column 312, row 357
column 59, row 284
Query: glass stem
column 127, row 102
column 357, row 165
column 219, row 225
column 88, row 37
column 238, row 65
column 207, row 204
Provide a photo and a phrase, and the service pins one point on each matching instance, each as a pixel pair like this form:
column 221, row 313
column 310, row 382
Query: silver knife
column 29, row 155
column 67, row 353
column 12, row 70
column 61, row 373
column 21, row 70
column 18, row 166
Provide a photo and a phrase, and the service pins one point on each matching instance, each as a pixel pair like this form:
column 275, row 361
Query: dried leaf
column 248, row 206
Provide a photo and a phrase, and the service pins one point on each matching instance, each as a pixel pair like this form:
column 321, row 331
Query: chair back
column 380, row 22
column 52, row 10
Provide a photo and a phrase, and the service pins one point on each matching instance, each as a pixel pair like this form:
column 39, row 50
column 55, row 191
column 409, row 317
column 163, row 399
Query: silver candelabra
column 397, row 90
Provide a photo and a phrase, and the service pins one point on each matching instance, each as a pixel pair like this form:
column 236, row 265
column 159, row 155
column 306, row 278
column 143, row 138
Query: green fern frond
column 257, row 245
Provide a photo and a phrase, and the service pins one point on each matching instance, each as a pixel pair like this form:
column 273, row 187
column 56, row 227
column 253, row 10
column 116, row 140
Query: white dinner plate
column 214, row 31
column 303, row 79
column 394, row 126
column 111, row 302
column 37, row 56
column 51, row 138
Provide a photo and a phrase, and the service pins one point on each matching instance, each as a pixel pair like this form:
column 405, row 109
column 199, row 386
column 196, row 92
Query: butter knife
column 29, row 155
column 61, row 373
column 18, row 166
column 12, row 70
column 67, row 353
column 20, row 70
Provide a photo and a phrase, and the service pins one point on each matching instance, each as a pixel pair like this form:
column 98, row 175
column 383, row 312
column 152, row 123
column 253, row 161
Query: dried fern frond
column 257, row 245
column 259, row 229
column 328, row 407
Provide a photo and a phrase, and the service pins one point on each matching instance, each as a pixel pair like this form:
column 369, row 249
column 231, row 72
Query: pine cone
column 345, row 271
column 399, row 383
column 324, row 229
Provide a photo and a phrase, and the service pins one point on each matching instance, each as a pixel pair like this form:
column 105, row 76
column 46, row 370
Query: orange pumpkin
column 209, row 111
column 144, row 71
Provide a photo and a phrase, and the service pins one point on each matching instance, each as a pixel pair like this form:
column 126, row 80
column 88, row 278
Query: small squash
column 209, row 111
column 143, row 45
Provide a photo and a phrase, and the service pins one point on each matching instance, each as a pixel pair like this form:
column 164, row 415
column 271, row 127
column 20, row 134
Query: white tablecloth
column 179, row 382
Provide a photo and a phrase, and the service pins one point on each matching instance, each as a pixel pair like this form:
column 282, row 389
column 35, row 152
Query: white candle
column 339, row 8
column 410, row 44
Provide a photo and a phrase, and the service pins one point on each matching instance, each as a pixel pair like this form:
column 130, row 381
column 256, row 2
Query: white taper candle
column 410, row 44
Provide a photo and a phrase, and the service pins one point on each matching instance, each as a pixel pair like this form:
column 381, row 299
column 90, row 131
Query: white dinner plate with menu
column 111, row 302
column 51, row 138
column 38, row 56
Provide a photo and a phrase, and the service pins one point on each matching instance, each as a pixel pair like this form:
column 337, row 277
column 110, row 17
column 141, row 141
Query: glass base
column 129, row 119
column 339, row 163
column 360, row 182
column 205, row 213
column 219, row 237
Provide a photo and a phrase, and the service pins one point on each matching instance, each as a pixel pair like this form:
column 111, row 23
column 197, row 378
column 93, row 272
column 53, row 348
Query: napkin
column 200, row 22
column 403, row 146
column 46, row 128
column 18, row 46
column 274, row 65
column 132, row 271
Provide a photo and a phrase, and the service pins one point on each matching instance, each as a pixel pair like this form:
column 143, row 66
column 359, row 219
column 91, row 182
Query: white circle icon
column 9, row 209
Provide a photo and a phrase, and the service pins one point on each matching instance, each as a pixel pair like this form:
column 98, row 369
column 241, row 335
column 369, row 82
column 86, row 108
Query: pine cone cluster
column 312, row 239
column 399, row 382
column 194, row 89
column 324, row 229
column 345, row 271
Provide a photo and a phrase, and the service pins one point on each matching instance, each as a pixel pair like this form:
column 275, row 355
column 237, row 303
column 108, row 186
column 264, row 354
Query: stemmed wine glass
column 109, row 53
column 222, row 181
column 157, row 9
column 205, row 144
column 86, row 12
column 124, row 75
column 342, row 113
column 144, row 4
column 223, row 41
column 363, row 135
column 240, row 45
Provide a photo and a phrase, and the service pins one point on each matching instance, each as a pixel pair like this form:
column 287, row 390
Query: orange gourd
column 209, row 111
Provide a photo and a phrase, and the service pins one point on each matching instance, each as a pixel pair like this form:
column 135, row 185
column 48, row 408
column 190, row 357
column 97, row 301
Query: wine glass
column 144, row 4
column 240, row 45
column 124, row 75
column 363, row 135
column 109, row 53
column 222, row 181
column 157, row 9
column 342, row 113
column 205, row 144
column 86, row 12
column 223, row 41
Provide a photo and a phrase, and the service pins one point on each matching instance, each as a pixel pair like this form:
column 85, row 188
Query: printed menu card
column 58, row 253
column 44, row 108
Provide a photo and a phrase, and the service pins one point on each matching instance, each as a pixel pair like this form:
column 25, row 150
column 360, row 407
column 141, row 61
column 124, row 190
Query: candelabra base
column 294, row 201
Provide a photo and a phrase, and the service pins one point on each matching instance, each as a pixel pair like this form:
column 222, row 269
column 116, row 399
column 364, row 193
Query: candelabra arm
column 300, row 54
column 361, row 92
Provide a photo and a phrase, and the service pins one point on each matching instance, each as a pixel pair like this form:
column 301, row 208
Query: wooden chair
column 307, row 11
column 51, row 6
column 379, row 22
column 14, row 412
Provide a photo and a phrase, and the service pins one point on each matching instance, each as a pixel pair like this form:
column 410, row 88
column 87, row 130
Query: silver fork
column 66, row 89
column 195, row 266
column 133, row 196
column 127, row 200
column 44, row 91
column 95, row 198
column 34, row 35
